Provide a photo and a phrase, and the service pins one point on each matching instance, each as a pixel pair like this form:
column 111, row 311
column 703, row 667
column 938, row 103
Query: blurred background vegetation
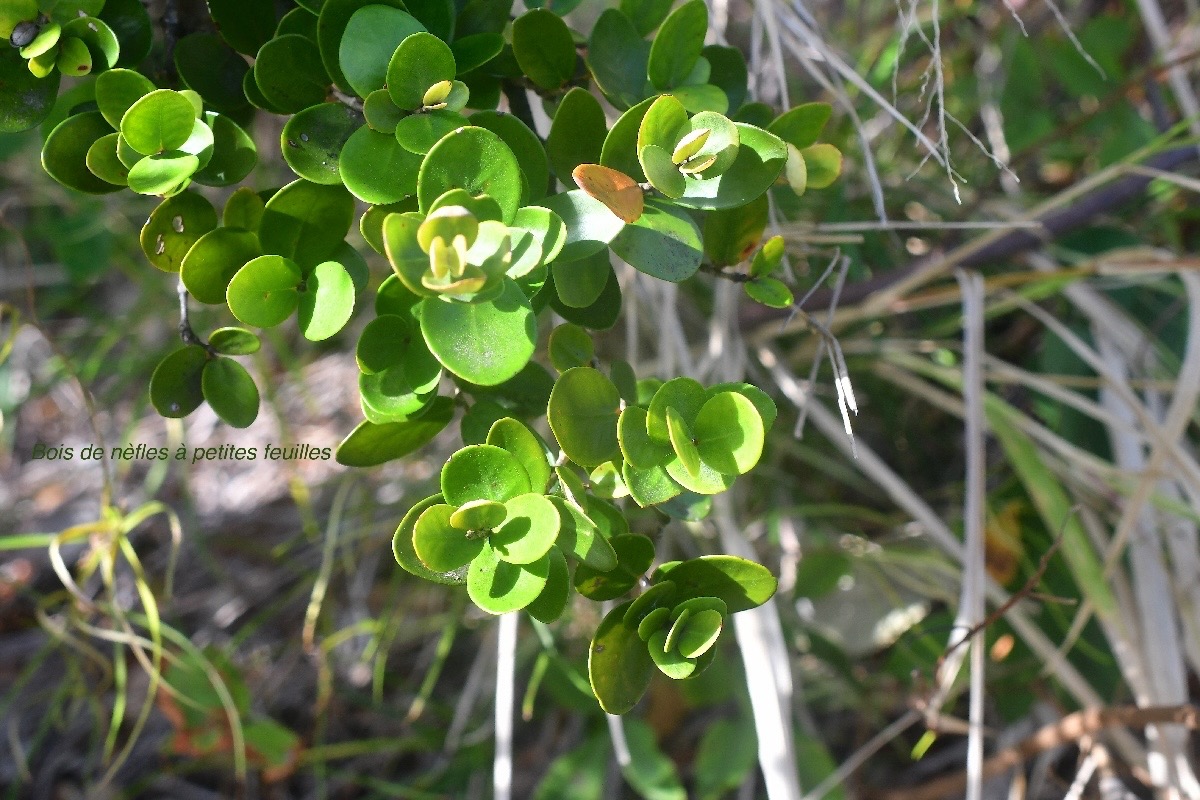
column 1050, row 149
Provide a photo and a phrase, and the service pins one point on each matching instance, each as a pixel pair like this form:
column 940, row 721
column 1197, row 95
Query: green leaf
column 761, row 157
column 634, row 556
column 590, row 225
column 382, row 343
column 243, row 209
column 731, row 234
column 214, row 259
column 64, row 154
column 117, row 90
column 538, row 235
column 233, row 156
column 728, row 73
column 210, row 67
column 234, row 341
column 520, row 440
column 390, row 396
column 769, row 258
column 333, row 17
column 98, row 48
column 617, row 57
column 619, row 665
column 442, row 546
column 770, row 292
column 638, row 449
column 436, row 15
column 700, row 633
column 472, row 52
column 289, row 73
column 685, row 395
column 103, row 162
column 580, row 283
column 739, row 583
column 175, row 386
column 552, row 601
column 669, row 661
column 544, row 47
column 306, row 222
column 476, row 160
column 312, row 141
column 420, row 61
column 579, row 773
column 727, row 753
column 676, row 48
column 246, row 24
column 682, row 442
column 658, row 596
column 620, row 151
column 702, row 97
column 576, row 134
column 483, row 472
column 263, row 292
column 381, row 113
column 824, row 164
column 405, row 552
column 327, row 301
column 526, row 147
column 158, row 122
column 762, row 401
column 664, row 123
column 369, row 444
column 651, row 486
column 485, row 342
column 802, row 125
column 377, row 169
column 25, row 100
column 478, row 515
column 664, row 243
column 661, row 171
column 705, row 481
column 499, row 587
column 729, row 433
column 230, row 391
column 583, row 414
column 570, row 346
column 418, row 133
column 299, row 21
column 174, row 226
column 646, row 15
column 602, row 314
column 579, row 536
column 162, row 174
column 371, row 36
column 528, row 531
column 130, row 23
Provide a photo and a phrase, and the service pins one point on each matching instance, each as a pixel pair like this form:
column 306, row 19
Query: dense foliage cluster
column 485, row 224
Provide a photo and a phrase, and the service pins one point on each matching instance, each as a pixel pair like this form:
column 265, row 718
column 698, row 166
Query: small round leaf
column 263, row 292
column 528, row 531
column 499, row 587
column 483, row 472
column 442, row 546
column 175, row 386
column 583, row 412
column 230, row 391
column 327, row 301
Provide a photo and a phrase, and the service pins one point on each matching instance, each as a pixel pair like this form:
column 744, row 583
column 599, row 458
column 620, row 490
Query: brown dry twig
column 1067, row 730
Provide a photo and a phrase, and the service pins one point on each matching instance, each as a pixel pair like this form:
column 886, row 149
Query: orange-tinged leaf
column 616, row 190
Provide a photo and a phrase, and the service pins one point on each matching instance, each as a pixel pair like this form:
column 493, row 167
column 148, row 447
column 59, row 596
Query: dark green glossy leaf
column 525, row 145
column 210, row 67
column 570, row 346
column 664, row 243
column 214, row 259
column 472, row 52
column 382, row 343
column 263, row 292
column 117, row 90
column 402, row 541
column 376, row 169
column 233, row 155
column 419, row 62
column 389, row 396
column 526, row 446
column 103, row 162
column 175, row 386
column 306, row 221
column 299, row 21
column 64, row 155
column 474, row 159
column 486, row 342
column 583, row 414
column 246, row 24
column 418, row 133
column 234, row 341
column 313, row 139
column 381, row 113
column 130, row 23
column 580, row 283
column 230, row 391
column 174, row 226
column 99, row 46
column 370, row 444
column 661, row 595
column 544, row 47
column 289, row 73
column 552, row 601
column 634, row 556
column 677, row 46
column 728, row 73
column 333, row 17
column 576, row 134
column 619, row 665
column 802, row 125
column 739, row 583
column 371, row 35
column 620, row 151
column 601, row 314
column 483, row 472
column 617, row 57
column 436, row 15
